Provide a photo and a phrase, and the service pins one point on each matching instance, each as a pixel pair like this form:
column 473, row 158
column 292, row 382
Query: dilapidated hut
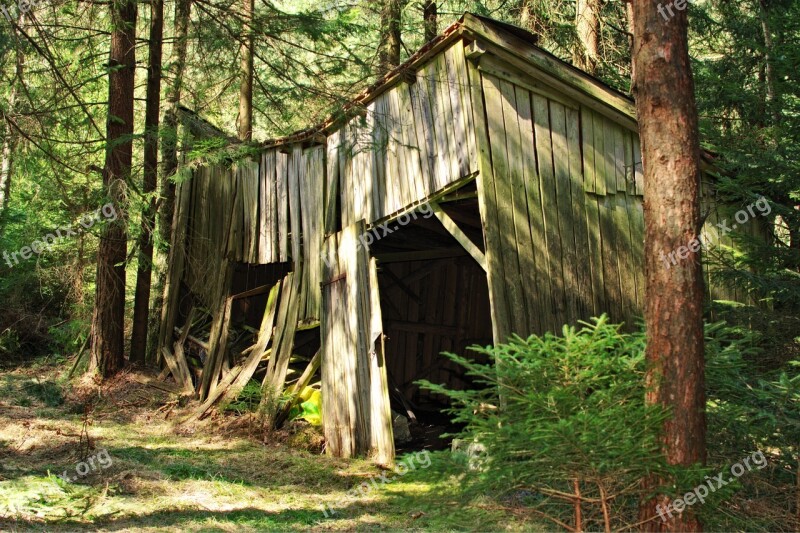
column 481, row 189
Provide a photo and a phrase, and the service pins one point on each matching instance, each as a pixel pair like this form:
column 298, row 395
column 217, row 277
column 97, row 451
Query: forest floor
column 132, row 468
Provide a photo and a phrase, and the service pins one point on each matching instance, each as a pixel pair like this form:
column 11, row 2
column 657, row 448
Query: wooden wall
column 561, row 190
column 412, row 141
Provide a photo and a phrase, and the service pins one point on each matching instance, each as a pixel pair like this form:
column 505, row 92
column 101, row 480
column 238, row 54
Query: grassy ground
column 158, row 476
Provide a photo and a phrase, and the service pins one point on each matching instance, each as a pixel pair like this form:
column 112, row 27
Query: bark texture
column 169, row 161
column 391, row 37
column 141, row 306
column 245, row 125
column 430, row 16
column 667, row 115
column 587, row 24
column 109, row 309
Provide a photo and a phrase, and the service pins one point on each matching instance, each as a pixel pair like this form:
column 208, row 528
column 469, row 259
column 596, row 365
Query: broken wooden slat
column 274, row 379
column 217, row 327
column 227, row 393
column 177, row 254
column 184, row 376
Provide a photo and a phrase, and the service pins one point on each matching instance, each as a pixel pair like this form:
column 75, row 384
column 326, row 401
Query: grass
column 168, row 478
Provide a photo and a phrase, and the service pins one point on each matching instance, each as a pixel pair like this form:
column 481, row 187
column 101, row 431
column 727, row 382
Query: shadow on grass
column 248, row 518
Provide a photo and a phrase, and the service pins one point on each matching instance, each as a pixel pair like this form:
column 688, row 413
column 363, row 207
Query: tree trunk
column 169, row 161
column 7, row 162
column 587, row 23
column 667, row 114
column 246, row 75
column 430, row 16
column 108, row 323
column 141, row 306
column 389, row 50
column 769, row 68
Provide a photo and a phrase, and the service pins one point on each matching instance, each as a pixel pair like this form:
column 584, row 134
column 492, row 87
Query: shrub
column 560, row 417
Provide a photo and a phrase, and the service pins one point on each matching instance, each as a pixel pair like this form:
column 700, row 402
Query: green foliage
column 553, row 410
column 248, row 399
column 556, row 410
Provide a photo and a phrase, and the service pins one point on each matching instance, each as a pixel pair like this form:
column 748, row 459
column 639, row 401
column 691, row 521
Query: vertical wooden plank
column 394, row 168
column 253, row 179
column 460, row 63
column 582, row 264
column 539, row 279
column 397, row 151
column 459, row 116
column 331, row 182
column 625, row 257
column 295, row 217
column 609, row 138
column 423, row 128
column 379, row 142
column 267, row 206
column 380, row 415
column 620, row 139
column 440, row 112
column 566, row 225
column 282, row 188
column 487, row 201
column 599, row 153
column 611, row 274
column 504, row 202
column 587, row 140
column 311, row 209
column 447, row 121
column 346, row 150
column 333, row 416
column 630, row 181
column 411, row 146
column 544, row 151
column 528, row 314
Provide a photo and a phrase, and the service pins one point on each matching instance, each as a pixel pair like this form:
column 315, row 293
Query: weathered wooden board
column 282, row 188
column 566, row 226
column 267, row 234
column 544, row 151
column 538, row 280
column 579, row 199
column 496, row 236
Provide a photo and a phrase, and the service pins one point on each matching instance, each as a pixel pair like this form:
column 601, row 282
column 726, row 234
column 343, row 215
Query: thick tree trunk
column 587, row 23
column 430, row 16
column 141, row 306
column 391, row 38
column 246, row 74
column 667, row 115
column 169, row 161
column 108, row 323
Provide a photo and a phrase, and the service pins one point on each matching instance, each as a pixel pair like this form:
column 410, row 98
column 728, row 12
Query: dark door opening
column 434, row 298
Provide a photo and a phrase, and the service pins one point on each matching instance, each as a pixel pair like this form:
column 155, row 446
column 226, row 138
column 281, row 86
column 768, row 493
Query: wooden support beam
column 459, row 235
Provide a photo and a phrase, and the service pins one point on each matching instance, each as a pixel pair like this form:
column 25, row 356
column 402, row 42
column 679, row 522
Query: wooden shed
column 483, row 188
